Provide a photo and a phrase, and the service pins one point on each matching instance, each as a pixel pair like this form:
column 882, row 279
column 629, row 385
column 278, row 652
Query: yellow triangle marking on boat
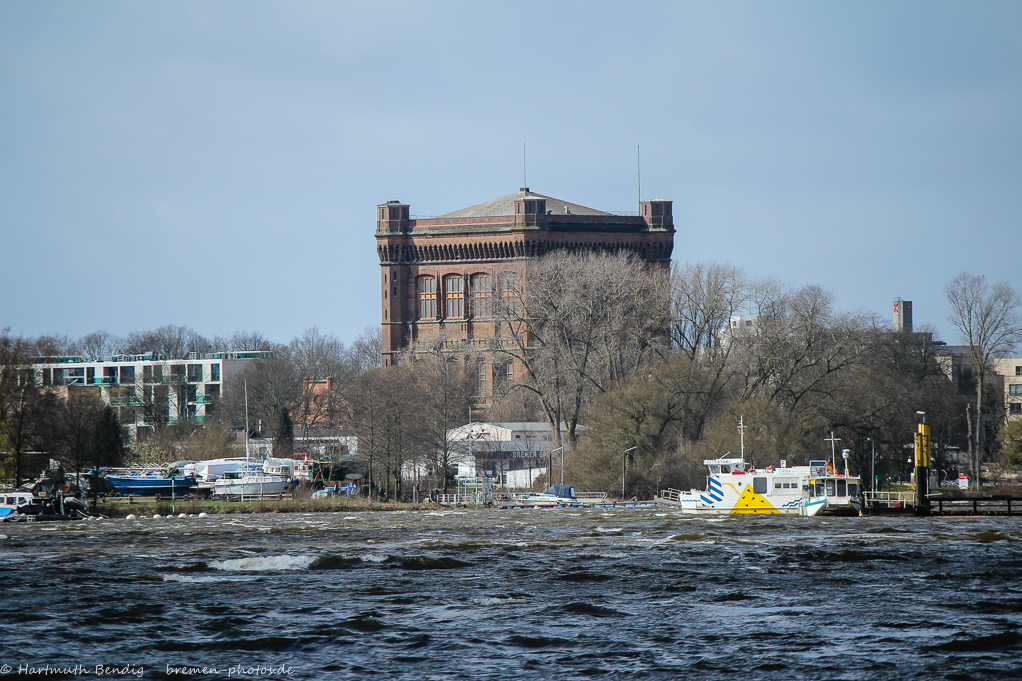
column 750, row 502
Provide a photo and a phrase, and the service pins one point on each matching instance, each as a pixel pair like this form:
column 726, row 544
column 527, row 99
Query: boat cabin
column 718, row 466
column 15, row 500
column 836, row 489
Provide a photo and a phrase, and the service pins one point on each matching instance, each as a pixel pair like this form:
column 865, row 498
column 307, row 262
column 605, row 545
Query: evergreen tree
column 284, row 444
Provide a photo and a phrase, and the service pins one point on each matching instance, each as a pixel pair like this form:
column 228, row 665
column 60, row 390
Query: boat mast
column 833, row 454
column 741, row 432
column 246, row 422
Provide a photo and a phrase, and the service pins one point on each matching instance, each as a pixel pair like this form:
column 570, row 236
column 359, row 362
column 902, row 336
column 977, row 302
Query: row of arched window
column 455, row 300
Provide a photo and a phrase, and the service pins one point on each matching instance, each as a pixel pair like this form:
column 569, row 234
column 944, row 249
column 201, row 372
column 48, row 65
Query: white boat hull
column 254, row 486
column 806, row 507
column 800, row 490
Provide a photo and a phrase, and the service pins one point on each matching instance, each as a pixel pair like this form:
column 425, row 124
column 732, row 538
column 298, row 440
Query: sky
column 217, row 165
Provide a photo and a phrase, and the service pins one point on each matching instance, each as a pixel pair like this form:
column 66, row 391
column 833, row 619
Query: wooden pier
column 954, row 503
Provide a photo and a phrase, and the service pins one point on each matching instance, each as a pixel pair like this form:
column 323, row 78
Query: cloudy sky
column 217, row 164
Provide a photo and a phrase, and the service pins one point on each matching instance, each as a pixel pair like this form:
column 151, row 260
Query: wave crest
column 264, row 563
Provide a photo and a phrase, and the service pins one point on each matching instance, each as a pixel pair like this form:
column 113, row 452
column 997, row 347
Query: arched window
column 509, row 291
column 503, row 376
column 427, row 298
column 481, row 296
column 455, row 290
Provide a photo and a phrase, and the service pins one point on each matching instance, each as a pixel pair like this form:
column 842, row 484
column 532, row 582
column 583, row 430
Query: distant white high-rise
column 902, row 316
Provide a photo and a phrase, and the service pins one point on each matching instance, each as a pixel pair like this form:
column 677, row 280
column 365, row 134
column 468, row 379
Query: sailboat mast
column 246, row 422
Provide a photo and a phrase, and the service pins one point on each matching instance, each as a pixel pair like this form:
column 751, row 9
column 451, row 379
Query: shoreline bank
column 122, row 508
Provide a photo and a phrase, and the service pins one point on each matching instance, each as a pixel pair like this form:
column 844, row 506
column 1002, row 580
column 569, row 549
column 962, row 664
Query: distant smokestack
column 902, row 316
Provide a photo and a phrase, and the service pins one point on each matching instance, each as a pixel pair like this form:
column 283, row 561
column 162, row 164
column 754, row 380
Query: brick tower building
column 438, row 275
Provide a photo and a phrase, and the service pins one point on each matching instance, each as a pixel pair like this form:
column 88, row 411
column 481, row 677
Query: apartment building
column 148, row 390
column 1010, row 371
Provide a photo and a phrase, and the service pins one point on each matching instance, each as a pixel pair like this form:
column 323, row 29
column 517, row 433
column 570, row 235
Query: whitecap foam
column 491, row 600
column 189, row 579
column 264, row 563
column 372, row 558
column 609, row 529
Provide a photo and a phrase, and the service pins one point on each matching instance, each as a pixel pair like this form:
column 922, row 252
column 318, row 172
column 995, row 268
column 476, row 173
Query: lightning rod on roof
column 638, row 167
column 525, row 174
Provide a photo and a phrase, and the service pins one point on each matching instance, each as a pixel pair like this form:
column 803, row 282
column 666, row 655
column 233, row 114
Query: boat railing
column 890, row 499
column 591, row 496
column 671, row 495
column 461, row 499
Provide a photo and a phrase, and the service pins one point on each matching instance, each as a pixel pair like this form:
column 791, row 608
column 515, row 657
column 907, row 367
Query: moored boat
column 554, row 496
column 14, row 502
column 250, row 482
column 732, row 487
column 151, row 482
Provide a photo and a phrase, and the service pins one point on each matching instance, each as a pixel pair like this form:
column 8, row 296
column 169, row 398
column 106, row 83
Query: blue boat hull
column 151, row 487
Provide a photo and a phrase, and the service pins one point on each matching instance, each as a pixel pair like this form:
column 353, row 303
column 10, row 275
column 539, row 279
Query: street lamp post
column 624, row 458
column 561, row 450
column 873, row 465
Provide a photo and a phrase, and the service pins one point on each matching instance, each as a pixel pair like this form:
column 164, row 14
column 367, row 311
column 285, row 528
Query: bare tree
column 366, row 350
column 243, row 341
column 97, row 346
column 317, row 356
column 369, row 407
column 577, row 323
column 80, row 416
column 988, row 320
column 325, row 369
column 384, row 413
column 20, row 403
column 273, row 384
column 173, row 341
column 798, row 349
column 53, row 345
column 444, row 392
column 705, row 297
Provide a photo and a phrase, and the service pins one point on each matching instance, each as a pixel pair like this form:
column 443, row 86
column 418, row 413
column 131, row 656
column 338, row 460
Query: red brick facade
column 450, row 257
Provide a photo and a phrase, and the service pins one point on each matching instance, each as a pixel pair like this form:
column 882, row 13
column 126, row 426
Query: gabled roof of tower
column 505, row 205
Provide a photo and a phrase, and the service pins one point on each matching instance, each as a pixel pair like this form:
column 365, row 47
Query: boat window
column 818, row 491
column 830, row 488
column 853, row 489
column 715, row 470
column 841, row 488
column 759, row 485
column 789, row 485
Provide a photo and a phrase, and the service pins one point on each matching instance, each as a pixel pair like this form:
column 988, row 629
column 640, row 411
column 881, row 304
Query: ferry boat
column 732, row 487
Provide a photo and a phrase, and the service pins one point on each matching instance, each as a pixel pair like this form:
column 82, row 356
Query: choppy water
column 542, row 594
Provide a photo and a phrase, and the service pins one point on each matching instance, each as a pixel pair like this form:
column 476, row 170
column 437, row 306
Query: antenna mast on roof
column 525, row 175
column 638, row 167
